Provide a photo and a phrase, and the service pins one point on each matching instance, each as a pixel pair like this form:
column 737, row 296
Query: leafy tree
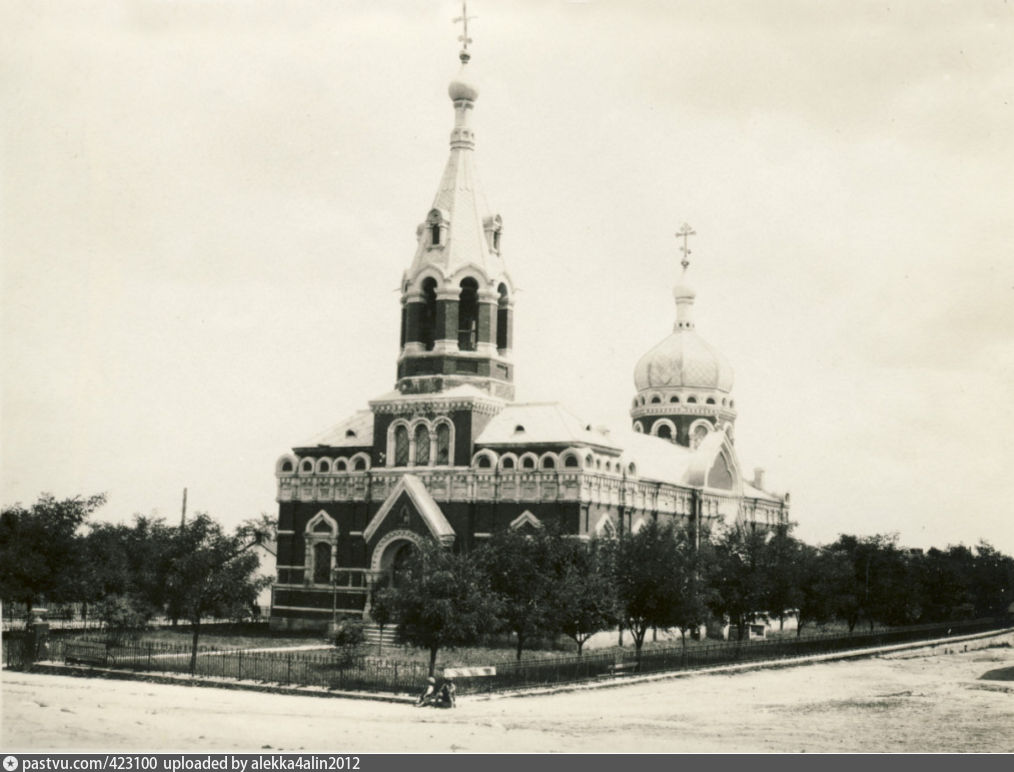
column 348, row 639
column 212, row 573
column 442, row 600
column 122, row 619
column 782, row 565
column 521, row 570
column 740, row 580
column 693, row 576
column 992, row 584
column 584, row 602
column 648, row 584
column 383, row 607
column 41, row 549
column 945, row 579
column 825, row 579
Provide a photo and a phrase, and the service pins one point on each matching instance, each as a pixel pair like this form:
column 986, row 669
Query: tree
column 41, row 549
column 693, row 576
column 442, row 600
column 992, row 581
column 884, row 587
column 782, row 564
column 945, row 579
column 647, row 580
column 585, row 596
column 383, row 607
column 521, row 570
column 740, row 578
column 825, row 579
column 212, row 573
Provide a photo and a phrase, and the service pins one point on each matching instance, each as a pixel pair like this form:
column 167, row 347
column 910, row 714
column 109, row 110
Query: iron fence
column 562, row 670
column 328, row 670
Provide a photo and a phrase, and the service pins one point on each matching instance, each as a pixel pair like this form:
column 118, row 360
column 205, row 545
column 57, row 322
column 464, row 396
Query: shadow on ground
column 1000, row 674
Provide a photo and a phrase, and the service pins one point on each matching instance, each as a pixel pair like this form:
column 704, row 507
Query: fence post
column 239, row 665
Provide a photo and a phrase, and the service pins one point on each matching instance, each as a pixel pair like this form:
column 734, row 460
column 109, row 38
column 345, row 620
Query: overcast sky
column 207, row 207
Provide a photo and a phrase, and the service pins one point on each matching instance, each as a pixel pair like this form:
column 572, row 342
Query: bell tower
column 457, row 298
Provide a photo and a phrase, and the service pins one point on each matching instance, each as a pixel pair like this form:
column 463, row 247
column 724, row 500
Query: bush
column 347, row 638
column 122, row 619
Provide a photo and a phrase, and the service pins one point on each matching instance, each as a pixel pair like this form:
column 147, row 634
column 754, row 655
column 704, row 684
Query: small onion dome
column 683, row 291
column 462, row 87
column 683, row 359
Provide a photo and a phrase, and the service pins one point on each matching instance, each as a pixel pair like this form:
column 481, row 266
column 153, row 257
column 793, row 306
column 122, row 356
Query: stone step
column 371, row 634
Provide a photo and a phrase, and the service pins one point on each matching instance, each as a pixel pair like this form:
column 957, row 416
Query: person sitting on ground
column 430, row 694
column 447, row 694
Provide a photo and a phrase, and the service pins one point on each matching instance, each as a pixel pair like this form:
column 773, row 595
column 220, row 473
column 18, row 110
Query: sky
column 206, row 207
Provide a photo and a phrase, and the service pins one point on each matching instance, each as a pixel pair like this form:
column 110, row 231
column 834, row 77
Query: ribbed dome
column 683, row 359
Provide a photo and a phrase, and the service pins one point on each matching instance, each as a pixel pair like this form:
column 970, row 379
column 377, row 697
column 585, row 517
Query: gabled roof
column 424, row 503
column 360, row 424
column 542, row 423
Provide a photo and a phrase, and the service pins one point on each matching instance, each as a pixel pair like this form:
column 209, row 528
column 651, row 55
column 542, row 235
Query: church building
column 449, row 455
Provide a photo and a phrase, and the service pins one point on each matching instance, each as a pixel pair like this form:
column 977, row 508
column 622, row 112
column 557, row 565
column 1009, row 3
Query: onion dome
column 462, row 87
column 684, row 360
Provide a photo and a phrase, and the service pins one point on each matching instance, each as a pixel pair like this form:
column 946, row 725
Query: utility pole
column 183, row 516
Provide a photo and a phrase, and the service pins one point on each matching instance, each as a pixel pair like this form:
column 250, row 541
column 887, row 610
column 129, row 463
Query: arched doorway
column 392, row 554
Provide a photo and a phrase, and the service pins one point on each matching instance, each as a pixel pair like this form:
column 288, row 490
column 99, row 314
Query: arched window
column 484, row 462
column 570, row 462
column 359, row 465
column 422, row 446
column 435, row 234
column 508, row 463
column 692, row 400
column 322, row 563
column 286, row 466
column 323, row 466
column 502, row 322
column 307, row 466
column 549, row 463
column 674, row 398
column 709, row 401
column 528, row 463
column 656, row 400
column 443, row 445
column 428, row 314
column 340, row 465
column 664, row 432
column 401, row 446
column 468, row 315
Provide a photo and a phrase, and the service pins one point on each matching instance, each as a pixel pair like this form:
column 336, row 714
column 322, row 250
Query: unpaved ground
column 934, row 703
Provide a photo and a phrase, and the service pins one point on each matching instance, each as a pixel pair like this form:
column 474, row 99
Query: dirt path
column 921, row 704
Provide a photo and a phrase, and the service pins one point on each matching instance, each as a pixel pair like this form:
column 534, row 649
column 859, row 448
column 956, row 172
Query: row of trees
column 541, row 584
column 129, row 573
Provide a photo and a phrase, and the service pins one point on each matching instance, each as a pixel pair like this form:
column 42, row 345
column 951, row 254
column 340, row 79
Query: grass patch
column 238, row 635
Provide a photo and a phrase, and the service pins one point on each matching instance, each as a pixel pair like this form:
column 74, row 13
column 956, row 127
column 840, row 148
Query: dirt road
column 921, row 704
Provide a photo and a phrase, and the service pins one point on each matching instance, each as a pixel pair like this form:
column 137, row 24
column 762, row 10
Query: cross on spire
column 685, row 232
column 464, row 38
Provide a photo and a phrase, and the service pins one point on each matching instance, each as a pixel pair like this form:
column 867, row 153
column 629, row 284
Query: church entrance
column 399, row 562
column 393, row 555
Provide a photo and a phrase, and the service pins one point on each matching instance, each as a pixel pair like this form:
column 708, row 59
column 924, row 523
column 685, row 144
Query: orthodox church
column 449, row 455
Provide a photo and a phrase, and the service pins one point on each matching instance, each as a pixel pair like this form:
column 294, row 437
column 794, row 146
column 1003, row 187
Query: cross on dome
column 464, row 38
column 686, row 232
